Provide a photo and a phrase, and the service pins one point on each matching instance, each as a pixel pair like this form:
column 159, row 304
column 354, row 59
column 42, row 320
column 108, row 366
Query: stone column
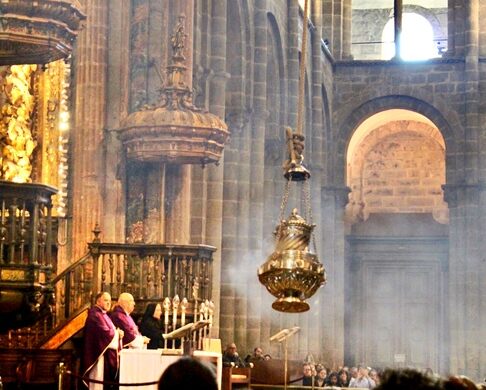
column 293, row 62
column 466, row 216
column 482, row 195
column 314, row 160
column 347, row 15
column 113, row 221
column 334, row 200
column 327, row 22
column 464, row 280
column 88, row 125
column 256, row 176
column 214, row 178
column 471, row 103
column 337, row 27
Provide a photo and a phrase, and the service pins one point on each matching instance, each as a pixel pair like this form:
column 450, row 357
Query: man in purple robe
column 101, row 344
column 121, row 318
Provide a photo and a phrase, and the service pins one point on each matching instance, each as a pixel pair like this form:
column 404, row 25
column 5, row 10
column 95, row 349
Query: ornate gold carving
column 52, row 127
column 16, row 141
column 12, row 274
column 292, row 273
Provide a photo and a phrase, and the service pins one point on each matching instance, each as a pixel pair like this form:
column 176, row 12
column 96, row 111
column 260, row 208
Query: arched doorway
column 397, row 243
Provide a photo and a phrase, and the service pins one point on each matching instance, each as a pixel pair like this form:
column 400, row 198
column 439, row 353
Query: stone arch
column 396, row 164
column 371, row 107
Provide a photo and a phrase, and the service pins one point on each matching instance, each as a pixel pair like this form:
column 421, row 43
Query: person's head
column 374, row 375
column 460, row 382
column 267, row 356
column 322, row 373
column 153, row 310
column 407, row 379
column 188, row 374
column 343, row 376
column 313, row 369
column 103, row 300
column 126, row 302
column 333, row 379
column 363, row 372
column 231, row 349
column 307, row 370
column 258, row 352
column 353, row 371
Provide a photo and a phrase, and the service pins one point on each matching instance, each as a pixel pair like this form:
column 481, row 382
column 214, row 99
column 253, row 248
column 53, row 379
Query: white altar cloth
column 147, row 365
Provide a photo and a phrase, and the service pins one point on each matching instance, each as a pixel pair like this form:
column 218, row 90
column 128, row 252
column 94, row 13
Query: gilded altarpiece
column 35, row 129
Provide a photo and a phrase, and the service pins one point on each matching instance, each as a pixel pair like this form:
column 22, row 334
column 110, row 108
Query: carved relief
column 16, row 141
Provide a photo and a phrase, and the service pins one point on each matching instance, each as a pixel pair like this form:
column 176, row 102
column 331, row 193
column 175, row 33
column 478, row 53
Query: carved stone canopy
column 38, row 32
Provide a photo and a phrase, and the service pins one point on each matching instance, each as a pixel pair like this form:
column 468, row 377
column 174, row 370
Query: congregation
column 107, row 332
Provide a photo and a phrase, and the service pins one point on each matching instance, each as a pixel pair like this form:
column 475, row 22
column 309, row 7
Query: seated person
column 256, row 357
column 187, row 373
column 332, row 379
column 151, row 326
column 307, row 379
column 321, row 377
column 231, row 357
column 344, row 378
column 363, row 379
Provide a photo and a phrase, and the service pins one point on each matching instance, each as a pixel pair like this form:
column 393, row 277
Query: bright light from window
column 417, row 41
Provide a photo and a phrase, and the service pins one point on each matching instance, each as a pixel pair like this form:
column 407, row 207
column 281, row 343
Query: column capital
column 339, row 193
column 454, row 194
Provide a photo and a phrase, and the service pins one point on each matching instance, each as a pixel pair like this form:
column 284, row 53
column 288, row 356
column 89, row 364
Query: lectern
column 283, row 336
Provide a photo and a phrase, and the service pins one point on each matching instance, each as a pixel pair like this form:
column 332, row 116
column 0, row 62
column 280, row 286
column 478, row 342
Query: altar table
column 147, row 365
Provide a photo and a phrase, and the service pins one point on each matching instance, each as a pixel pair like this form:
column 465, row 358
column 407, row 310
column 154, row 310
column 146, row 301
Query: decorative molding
column 38, row 32
column 340, row 194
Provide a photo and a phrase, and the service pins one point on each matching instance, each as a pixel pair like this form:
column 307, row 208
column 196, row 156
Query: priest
column 101, row 345
column 121, row 318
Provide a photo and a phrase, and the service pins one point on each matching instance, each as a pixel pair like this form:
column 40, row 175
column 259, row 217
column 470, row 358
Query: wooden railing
column 153, row 271
column 149, row 272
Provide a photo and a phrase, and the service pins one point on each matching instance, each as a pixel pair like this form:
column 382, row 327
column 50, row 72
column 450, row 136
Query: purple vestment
column 125, row 322
column 99, row 332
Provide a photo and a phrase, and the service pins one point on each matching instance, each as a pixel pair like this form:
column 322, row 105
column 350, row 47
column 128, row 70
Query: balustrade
column 27, row 252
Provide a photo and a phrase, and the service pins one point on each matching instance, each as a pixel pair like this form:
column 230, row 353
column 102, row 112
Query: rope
column 85, row 379
column 300, row 111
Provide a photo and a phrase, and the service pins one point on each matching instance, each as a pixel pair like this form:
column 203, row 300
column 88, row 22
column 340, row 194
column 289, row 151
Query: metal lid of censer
column 292, row 273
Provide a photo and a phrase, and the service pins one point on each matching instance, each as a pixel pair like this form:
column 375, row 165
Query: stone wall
column 399, row 167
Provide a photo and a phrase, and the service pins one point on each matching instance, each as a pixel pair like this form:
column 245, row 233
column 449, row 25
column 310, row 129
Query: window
column 417, row 39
